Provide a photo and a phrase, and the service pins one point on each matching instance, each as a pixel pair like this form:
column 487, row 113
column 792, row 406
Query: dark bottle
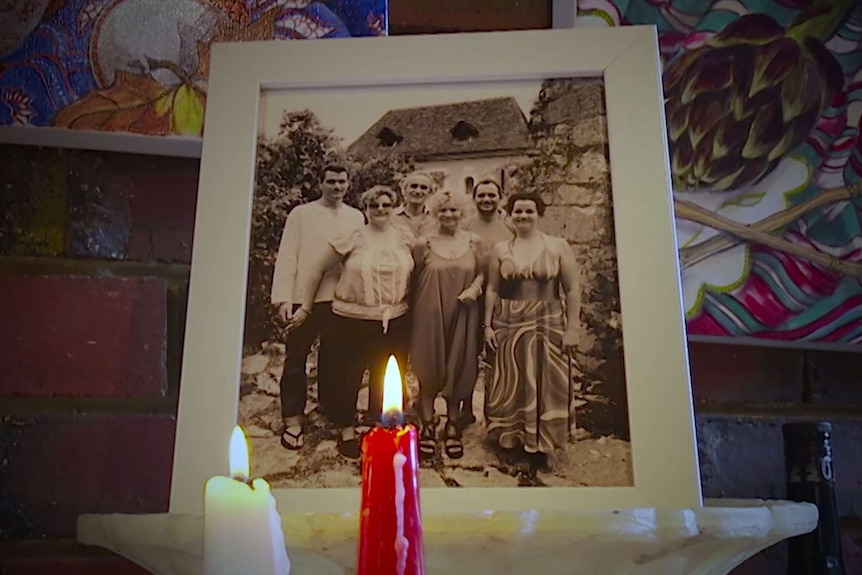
column 810, row 478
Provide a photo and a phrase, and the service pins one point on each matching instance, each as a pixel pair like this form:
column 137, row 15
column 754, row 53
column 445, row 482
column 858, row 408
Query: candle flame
column 239, row 468
column 393, row 399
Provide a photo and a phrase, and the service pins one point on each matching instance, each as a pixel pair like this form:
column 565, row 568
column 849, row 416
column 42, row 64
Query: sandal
column 452, row 441
column 427, row 440
column 293, row 438
column 349, row 448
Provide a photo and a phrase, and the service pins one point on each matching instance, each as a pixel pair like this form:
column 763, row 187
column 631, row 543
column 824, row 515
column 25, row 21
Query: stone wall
column 570, row 170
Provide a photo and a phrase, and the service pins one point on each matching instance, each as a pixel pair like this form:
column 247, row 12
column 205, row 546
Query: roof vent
column 388, row 138
column 464, row 131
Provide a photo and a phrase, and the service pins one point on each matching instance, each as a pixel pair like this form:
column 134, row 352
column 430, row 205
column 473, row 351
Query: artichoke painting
column 737, row 104
column 763, row 108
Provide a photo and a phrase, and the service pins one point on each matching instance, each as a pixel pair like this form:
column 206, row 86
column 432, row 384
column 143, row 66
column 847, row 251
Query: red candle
column 390, row 525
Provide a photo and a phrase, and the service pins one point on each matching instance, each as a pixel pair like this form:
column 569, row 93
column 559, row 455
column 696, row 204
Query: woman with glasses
column 444, row 353
column 369, row 306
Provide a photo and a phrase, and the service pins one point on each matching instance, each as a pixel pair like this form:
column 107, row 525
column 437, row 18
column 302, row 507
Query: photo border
column 665, row 466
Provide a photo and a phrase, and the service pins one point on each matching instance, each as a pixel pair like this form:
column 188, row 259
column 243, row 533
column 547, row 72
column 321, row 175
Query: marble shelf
column 708, row 541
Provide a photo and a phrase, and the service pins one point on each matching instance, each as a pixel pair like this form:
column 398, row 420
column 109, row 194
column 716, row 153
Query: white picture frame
column 661, row 419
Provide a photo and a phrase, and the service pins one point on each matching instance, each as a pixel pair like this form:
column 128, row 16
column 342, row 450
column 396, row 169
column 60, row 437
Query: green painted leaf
column 693, row 239
column 163, row 104
column 744, row 200
column 188, row 116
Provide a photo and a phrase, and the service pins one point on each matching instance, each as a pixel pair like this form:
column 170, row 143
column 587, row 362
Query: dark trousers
column 298, row 343
column 359, row 344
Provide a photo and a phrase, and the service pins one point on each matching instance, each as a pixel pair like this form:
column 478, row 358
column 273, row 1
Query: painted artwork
column 141, row 66
column 763, row 102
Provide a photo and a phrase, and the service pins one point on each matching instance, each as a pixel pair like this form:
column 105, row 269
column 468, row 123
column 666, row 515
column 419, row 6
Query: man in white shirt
column 307, row 232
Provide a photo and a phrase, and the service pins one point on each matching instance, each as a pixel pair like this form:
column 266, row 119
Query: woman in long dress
column 444, row 354
column 532, row 307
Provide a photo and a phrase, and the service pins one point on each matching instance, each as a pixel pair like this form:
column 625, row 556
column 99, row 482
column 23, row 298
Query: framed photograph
column 484, row 208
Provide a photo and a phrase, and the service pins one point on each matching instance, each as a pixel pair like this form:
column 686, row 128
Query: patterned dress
column 526, row 403
column 445, row 344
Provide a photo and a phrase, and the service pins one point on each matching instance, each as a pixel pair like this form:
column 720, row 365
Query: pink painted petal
column 696, row 39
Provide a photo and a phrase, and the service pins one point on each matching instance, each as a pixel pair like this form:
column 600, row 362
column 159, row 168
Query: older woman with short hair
column 444, row 353
column 370, row 304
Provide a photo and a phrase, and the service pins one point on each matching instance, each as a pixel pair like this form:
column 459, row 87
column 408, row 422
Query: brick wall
column 94, row 267
column 742, row 397
column 94, row 264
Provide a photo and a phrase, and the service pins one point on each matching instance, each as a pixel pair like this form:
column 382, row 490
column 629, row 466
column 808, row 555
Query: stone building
column 460, row 143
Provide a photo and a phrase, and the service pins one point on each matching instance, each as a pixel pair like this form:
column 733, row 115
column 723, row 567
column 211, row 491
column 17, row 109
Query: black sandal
column 293, row 440
column 348, row 448
column 452, row 441
column 427, row 440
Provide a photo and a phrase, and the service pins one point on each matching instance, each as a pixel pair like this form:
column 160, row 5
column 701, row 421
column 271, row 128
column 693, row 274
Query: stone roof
column 482, row 127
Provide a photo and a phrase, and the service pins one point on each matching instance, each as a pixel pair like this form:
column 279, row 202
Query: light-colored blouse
column 375, row 280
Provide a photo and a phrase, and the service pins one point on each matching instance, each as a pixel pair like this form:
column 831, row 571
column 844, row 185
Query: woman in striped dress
column 532, row 309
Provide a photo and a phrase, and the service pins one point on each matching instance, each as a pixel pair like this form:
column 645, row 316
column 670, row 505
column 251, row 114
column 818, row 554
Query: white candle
column 242, row 526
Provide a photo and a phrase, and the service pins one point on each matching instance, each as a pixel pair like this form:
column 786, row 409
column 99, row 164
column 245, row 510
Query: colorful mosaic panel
column 141, row 65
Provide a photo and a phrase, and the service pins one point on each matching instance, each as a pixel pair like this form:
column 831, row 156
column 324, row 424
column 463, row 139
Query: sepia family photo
column 467, row 230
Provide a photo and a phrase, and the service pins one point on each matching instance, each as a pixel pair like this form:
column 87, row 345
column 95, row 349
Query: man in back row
column 412, row 217
column 488, row 224
column 491, row 228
